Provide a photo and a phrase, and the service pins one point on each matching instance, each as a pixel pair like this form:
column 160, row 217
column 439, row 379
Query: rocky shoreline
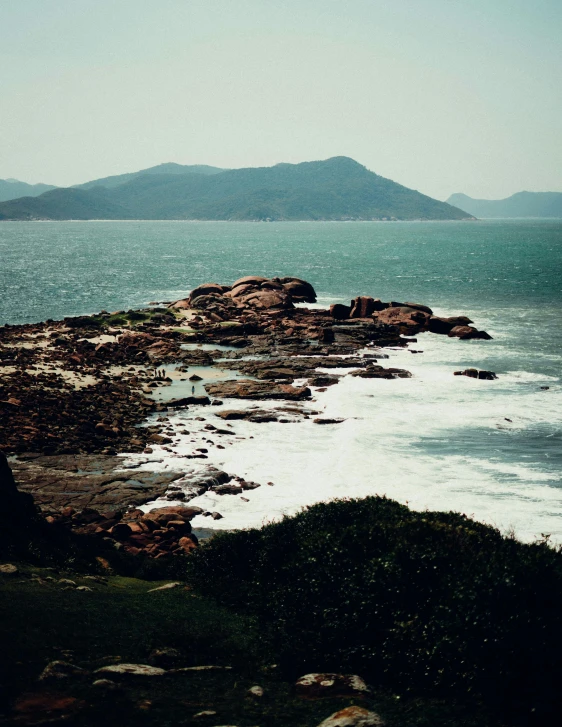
column 76, row 393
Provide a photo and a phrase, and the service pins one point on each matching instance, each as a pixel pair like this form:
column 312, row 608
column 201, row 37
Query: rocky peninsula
column 76, row 393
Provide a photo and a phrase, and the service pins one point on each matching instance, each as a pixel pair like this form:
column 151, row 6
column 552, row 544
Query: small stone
column 67, row 582
column 140, row 670
column 105, row 684
column 84, row 589
column 210, row 667
column 205, row 713
column 60, row 670
column 165, row 587
column 7, row 569
column 353, row 717
column 256, row 691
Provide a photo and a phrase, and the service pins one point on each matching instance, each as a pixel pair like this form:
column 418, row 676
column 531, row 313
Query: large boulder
column 409, row 320
column 465, row 333
column 419, row 306
column 439, row 325
column 265, row 299
column 476, row 374
column 248, row 280
column 207, row 289
column 340, row 312
column 300, row 290
column 362, row 307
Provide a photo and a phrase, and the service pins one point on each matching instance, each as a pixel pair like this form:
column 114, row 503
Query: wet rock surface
column 76, row 392
column 87, row 481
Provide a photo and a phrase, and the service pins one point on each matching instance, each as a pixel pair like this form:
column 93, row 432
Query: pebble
column 7, row 569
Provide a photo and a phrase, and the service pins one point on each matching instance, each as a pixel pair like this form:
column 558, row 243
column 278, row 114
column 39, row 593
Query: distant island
column 335, row 189
column 522, row 204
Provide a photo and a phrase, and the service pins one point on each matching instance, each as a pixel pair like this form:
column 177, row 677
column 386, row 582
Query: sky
column 442, row 96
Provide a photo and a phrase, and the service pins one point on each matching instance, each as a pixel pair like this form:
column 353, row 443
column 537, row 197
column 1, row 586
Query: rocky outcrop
column 89, row 481
column 373, row 371
column 466, row 333
column 476, row 374
column 299, row 290
column 258, row 390
column 409, row 320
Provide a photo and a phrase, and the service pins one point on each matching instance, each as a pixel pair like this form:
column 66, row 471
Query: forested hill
column 13, row 188
column 522, row 204
column 335, row 189
column 162, row 169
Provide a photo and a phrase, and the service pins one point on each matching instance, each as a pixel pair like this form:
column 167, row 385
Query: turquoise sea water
column 435, row 440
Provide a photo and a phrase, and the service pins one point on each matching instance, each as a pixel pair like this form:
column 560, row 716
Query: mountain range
column 13, row 188
column 522, row 204
column 335, row 189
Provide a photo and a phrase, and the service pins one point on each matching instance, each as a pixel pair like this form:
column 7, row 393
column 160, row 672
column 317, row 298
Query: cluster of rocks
column 410, row 318
column 251, row 292
column 97, row 495
column 45, row 706
column 51, row 416
column 161, row 532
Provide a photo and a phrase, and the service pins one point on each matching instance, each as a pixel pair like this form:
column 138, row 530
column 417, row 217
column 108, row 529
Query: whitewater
column 490, row 449
column 435, row 441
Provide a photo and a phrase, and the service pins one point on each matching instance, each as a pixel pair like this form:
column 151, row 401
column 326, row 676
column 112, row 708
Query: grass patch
column 121, row 621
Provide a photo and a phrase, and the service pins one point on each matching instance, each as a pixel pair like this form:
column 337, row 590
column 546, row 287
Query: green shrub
column 428, row 602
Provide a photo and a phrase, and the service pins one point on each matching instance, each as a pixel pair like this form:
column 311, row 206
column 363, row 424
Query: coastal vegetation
column 421, row 602
column 334, row 189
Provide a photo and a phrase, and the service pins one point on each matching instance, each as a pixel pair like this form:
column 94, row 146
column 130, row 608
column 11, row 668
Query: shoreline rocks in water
column 76, row 392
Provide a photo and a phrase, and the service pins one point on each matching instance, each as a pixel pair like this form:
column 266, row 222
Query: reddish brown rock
column 408, row 320
column 362, row 307
column 353, row 717
column 206, row 289
column 419, row 306
column 259, row 390
column 300, row 290
column 466, row 333
column 248, row 280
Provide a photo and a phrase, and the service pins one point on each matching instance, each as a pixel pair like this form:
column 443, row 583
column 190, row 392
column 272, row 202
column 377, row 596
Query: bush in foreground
column 424, row 602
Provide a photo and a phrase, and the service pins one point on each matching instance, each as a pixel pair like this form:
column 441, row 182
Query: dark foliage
column 429, row 602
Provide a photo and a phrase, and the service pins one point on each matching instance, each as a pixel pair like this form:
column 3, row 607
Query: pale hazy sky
column 440, row 95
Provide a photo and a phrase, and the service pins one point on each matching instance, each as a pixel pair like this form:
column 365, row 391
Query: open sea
column 490, row 449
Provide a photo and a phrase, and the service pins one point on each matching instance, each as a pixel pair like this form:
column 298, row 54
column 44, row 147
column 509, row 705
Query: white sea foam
column 435, row 441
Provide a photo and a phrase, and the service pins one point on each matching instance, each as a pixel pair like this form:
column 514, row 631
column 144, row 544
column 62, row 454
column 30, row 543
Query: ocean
column 490, row 449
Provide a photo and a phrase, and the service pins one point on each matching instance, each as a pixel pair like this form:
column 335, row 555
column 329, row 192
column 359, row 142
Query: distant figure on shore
column 192, row 390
